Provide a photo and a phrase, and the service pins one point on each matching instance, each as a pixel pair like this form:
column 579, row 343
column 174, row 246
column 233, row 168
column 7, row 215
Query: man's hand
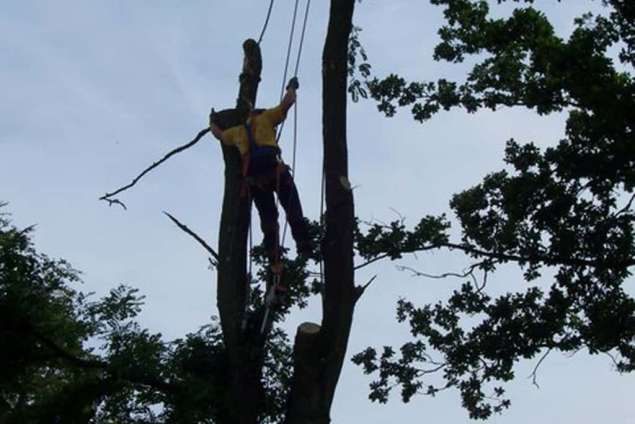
column 289, row 98
column 293, row 84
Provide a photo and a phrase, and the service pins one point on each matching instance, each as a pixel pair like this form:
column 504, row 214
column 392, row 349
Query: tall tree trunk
column 319, row 353
column 245, row 395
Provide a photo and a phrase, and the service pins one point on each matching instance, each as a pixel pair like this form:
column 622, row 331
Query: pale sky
column 93, row 92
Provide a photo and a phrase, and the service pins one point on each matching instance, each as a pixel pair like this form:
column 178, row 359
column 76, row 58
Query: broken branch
column 195, row 236
column 107, row 196
column 359, row 290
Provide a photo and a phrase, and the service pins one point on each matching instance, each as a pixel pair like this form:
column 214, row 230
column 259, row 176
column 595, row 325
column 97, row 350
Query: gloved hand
column 293, row 83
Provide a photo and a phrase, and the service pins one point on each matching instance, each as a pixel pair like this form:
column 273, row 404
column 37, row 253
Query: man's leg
column 290, row 200
column 266, row 205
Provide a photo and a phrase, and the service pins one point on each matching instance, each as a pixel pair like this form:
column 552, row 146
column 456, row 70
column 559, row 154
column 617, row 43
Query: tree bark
column 319, row 357
column 245, row 354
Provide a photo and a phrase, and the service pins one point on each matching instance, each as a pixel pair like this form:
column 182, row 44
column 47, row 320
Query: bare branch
column 534, row 373
column 402, row 218
column 469, row 272
column 627, row 207
column 415, row 273
column 195, row 236
column 370, row 261
column 107, row 196
column 439, row 367
column 387, row 255
column 359, row 290
column 115, row 202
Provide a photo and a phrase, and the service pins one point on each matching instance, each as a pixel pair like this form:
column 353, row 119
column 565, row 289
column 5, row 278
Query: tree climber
column 264, row 172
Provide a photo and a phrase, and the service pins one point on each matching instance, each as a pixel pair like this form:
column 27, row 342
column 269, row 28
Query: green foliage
column 393, row 240
column 68, row 358
column 567, row 208
column 524, row 63
column 356, row 51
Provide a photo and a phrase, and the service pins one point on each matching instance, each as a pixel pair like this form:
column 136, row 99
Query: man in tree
column 264, row 172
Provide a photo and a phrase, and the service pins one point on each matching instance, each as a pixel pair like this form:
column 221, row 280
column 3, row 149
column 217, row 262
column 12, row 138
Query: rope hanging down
column 264, row 27
column 299, row 55
column 295, row 108
column 290, row 44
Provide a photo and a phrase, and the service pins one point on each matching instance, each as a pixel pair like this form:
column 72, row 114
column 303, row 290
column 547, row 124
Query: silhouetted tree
column 567, row 208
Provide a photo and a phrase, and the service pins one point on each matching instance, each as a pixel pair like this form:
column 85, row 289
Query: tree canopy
column 566, row 208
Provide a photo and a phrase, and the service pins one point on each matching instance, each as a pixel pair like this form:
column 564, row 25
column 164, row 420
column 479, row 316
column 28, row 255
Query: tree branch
column 107, row 196
column 195, row 236
column 62, row 353
column 534, row 375
column 67, row 356
column 359, row 290
column 415, row 273
column 545, row 259
column 370, row 261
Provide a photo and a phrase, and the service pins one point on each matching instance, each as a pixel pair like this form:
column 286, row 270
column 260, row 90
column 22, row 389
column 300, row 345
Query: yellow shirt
column 263, row 127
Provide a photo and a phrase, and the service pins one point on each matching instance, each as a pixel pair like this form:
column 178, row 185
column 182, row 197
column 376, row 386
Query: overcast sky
column 94, row 91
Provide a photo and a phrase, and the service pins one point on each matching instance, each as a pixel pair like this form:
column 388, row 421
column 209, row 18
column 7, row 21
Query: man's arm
column 289, row 98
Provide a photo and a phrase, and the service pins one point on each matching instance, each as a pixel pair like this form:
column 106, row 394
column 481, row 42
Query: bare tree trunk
column 319, row 353
column 245, row 396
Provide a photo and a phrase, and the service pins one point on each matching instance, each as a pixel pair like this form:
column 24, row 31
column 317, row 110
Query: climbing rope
column 264, row 27
column 306, row 16
column 289, row 45
column 295, row 108
column 299, row 55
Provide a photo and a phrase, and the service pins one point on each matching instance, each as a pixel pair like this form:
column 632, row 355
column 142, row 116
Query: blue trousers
column 262, row 189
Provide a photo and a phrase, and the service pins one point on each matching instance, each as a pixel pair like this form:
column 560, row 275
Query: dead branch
column 359, row 290
column 468, row 273
column 534, row 373
column 107, row 196
column 115, row 202
column 195, row 236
